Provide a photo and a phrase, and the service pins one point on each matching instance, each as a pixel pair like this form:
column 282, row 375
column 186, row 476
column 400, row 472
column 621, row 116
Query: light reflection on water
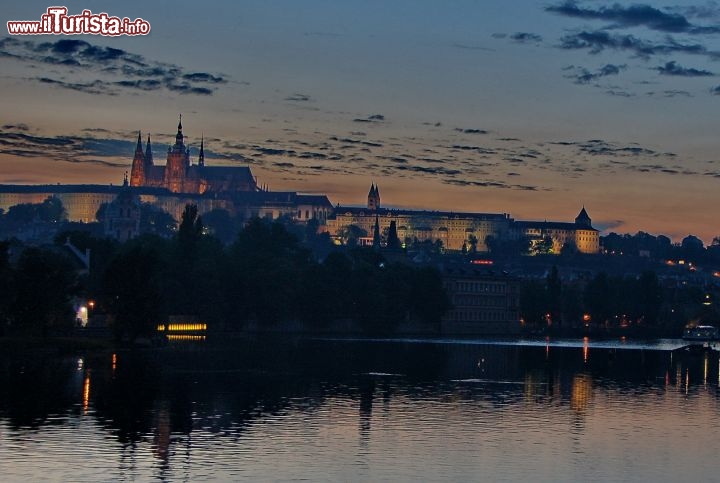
column 338, row 410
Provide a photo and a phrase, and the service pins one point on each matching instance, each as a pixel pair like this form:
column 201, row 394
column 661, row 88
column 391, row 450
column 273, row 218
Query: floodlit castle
column 179, row 175
column 458, row 229
column 172, row 186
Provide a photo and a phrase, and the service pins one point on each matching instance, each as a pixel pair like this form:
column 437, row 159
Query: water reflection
column 184, row 413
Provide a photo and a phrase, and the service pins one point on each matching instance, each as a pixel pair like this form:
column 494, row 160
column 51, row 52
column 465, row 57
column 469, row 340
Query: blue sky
column 529, row 108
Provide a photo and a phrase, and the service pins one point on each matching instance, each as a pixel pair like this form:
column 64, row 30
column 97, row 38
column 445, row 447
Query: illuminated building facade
column 456, row 230
column 179, row 175
column 173, row 186
column 481, row 303
column 122, row 215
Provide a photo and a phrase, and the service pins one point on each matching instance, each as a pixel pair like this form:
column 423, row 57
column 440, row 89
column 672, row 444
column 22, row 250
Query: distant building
column 579, row 235
column 174, row 185
column 456, row 230
column 179, row 175
column 482, row 303
column 122, row 215
column 451, row 228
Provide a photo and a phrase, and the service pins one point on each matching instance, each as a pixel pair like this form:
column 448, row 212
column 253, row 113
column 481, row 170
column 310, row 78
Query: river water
column 363, row 410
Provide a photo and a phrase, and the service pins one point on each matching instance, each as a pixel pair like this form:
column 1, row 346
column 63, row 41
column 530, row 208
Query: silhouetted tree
column 221, row 224
column 351, row 234
column 155, row 221
column 393, row 242
column 473, row 242
column 51, row 210
column 598, row 299
column 44, row 283
column 554, row 295
column 131, row 291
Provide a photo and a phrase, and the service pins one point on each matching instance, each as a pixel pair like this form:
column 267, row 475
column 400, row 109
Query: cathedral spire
column 137, row 173
column 201, row 157
column 148, row 152
column 179, row 136
column 138, row 148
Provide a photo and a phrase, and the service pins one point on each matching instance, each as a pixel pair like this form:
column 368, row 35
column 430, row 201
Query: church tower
column 137, row 173
column 373, row 198
column 148, row 154
column 201, row 156
column 178, row 159
column 583, row 220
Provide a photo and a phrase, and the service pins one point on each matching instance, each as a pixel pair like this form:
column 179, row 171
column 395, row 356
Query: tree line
column 608, row 302
column 266, row 276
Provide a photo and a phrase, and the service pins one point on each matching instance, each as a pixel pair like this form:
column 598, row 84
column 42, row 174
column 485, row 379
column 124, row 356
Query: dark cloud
column 471, row 131
column 371, row 118
column 73, row 149
column 489, row 184
column 582, row 75
column 116, row 69
column 710, row 10
column 204, row 77
column 619, row 93
column 435, row 170
column 477, row 149
column 672, row 68
column 598, row 147
column 715, row 91
column 599, row 40
column 187, row 88
column 96, row 87
column 298, row 98
column 17, row 127
column 274, row 151
column 141, row 84
column 472, row 47
column 525, row 37
column 632, row 16
column 356, row 141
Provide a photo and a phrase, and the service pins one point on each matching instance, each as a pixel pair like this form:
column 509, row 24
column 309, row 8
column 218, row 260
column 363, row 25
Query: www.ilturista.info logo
column 57, row 22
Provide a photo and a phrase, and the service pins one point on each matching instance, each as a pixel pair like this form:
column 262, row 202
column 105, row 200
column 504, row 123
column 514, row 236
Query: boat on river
column 701, row 333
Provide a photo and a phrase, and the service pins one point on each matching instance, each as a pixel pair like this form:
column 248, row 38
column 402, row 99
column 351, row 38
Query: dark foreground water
column 333, row 410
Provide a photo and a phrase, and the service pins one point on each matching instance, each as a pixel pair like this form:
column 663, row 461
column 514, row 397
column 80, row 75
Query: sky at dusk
column 528, row 108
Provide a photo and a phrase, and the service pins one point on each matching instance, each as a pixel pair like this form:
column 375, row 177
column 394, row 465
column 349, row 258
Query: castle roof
column 364, row 211
column 551, row 225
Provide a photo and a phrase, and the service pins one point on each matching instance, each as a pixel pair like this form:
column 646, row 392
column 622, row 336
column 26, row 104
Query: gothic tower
column 201, row 156
column 148, row 154
column 178, row 159
column 137, row 173
column 583, row 219
column 373, row 198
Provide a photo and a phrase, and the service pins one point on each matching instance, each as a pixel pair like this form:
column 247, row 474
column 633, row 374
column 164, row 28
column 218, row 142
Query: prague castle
column 234, row 188
column 178, row 175
column 177, row 183
column 456, row 230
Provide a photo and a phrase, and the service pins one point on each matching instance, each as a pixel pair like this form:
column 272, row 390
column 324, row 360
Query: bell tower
column 137, row 173
column 373, row 198
column 177, row 162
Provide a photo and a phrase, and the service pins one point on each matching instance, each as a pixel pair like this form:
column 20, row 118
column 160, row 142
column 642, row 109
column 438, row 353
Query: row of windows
column 478, row 301
column 319, row 214
column 477, row 316
column 480, row 287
